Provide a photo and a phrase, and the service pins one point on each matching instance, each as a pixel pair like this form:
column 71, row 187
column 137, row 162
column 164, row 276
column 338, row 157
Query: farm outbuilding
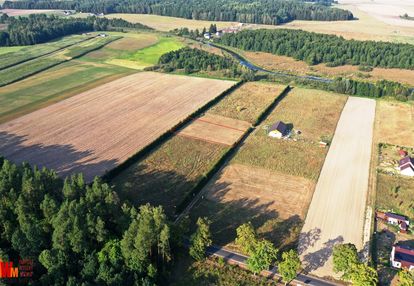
column 278, row 130
column 406, row 166
column 402, row 257
column 394, row 219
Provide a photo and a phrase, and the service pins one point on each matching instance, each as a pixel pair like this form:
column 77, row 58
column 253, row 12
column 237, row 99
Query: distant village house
column 406, row 166
column 207, row 36
column 278, row 130
column 402, row 257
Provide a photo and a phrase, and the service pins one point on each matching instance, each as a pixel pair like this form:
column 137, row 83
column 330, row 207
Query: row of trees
column 194, row 60
column 317, row 48
column 260, row 11
column 77, row 233
column 40, row 28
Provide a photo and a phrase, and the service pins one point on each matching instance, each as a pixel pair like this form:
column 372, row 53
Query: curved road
column 253, row 67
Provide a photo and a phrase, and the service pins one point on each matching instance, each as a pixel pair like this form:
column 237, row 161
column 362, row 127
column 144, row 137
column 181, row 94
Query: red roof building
column 402, row 257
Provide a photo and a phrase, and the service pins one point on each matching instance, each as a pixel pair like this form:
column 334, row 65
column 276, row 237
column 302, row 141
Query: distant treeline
column 378, row 89
column 320, row 48
column 194, row 60
column 40, row 28
column 270, row 12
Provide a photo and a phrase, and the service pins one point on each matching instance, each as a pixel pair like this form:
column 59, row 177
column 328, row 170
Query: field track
column 336, row 213
column 215, row 129
column 95, row 131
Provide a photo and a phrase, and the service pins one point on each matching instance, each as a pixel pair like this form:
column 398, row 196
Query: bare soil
column 337, row 211
column 215, row 129
column 99, row 129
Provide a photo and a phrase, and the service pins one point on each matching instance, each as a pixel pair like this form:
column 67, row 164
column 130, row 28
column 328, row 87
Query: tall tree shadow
column 64, row 159
column 315, row 260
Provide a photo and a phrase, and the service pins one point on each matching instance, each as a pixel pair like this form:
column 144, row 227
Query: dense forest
column 194, row 60
column 320, row 48
column 78, row 234
column 40, row 28
column 272, row 12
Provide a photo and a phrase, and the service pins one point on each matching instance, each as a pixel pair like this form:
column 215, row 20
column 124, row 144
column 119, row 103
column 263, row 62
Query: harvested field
column 341, row 192
column 290, row 65
column 394, row 121
column 366, row 27
column 164, row 23
column 215, row 129
column 275, row 203
column 133, row 43
column 23, row 12
column 165, row 177
column 70, row 136
column 248, row 102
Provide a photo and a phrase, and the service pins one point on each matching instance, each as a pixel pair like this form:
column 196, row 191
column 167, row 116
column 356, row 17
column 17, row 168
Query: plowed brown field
column 216, row 129
column 97, row 130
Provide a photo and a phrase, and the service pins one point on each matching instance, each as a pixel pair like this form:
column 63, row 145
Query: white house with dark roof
column 278, row 130
column 402, row 257
column 406, row 166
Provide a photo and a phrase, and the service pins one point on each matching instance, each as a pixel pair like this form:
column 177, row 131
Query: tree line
column 260, row 11
column 317, row 48
column 194, row 60
column 40, row 28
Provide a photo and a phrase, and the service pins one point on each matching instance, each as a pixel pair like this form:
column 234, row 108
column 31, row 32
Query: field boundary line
column 167, row 135
column 46, row 54
column 218, row 124
column 201, row 139
column 199, row 190
column 57, row 63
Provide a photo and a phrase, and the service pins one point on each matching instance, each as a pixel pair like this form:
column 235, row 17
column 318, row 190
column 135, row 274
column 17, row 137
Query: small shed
column 402, row 153
column 278, row 130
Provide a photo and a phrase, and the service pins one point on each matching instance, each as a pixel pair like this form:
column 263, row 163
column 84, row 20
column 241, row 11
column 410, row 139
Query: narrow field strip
column 337, row 211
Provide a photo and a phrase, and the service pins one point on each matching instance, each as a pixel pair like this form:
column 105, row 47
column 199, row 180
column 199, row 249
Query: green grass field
column 10, row 56
column 149, row 56
column 28, row 68
column 53, row 85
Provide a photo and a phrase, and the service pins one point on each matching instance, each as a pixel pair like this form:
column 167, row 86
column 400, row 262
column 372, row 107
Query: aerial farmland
column 207, row 142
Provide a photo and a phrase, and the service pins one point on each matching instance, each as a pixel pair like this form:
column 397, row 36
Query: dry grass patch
column 164, row 23
column 314, row 112
column 166, row 175
column 290, row 65
column 394, row 121
column 97, row 130
column 139, row 41
column 215, row 129
column 275, row 203
column 395, row 193
column 248, row 101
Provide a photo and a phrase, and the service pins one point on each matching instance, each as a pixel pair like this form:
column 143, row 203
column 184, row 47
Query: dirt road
column 336, row 213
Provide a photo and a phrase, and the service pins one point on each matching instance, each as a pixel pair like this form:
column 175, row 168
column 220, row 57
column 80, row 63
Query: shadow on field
column 64, row 159
column 317, row 259
column 227, row 214
column 141, row 184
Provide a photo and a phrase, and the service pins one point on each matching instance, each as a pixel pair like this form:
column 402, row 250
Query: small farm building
column 394, row 219
column 402, row 257
column 207, row 36
column 406, row 166
column 278, row 130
